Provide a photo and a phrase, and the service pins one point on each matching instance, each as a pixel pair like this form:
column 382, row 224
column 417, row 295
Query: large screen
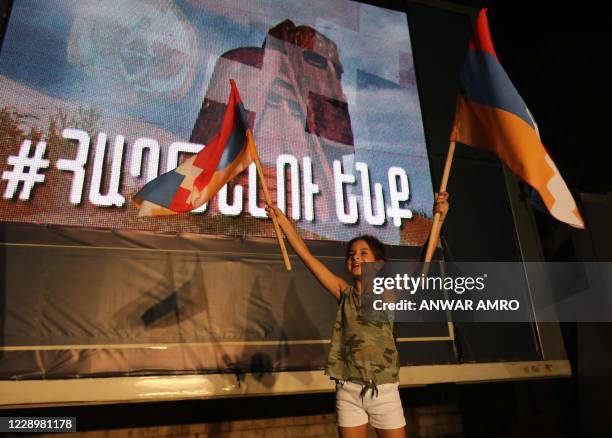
column 98, row 98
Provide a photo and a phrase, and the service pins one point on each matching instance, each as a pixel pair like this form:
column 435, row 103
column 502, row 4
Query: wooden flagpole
column 434, row 235
column 262, row 179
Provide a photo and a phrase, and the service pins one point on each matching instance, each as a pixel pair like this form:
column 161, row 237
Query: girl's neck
column 357, row 286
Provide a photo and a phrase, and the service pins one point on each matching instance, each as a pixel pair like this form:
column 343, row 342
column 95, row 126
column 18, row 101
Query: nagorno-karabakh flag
column 200, row 177
column 492, row 115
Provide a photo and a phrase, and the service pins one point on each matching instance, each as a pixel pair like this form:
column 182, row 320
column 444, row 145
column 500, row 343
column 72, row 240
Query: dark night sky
column 559, row 57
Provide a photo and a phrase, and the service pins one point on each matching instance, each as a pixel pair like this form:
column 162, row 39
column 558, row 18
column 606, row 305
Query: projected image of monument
column 292, row 87
column 293, row 93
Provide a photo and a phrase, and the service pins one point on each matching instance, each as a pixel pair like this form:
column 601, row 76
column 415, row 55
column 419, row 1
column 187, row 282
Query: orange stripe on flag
column 517, row 144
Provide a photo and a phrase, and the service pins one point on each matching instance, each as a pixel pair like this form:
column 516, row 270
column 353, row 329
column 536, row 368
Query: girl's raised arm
column 334, row 284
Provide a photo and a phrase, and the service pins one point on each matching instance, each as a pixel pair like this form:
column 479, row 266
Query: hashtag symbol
column 25, row 169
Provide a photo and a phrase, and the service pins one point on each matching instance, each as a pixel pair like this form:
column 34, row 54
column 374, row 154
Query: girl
column 362, row 359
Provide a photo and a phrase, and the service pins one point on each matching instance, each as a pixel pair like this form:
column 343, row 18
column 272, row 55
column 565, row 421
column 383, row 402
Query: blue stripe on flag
column 236, row 141
column 243, row 115
column 485, row 81
column 162, row 189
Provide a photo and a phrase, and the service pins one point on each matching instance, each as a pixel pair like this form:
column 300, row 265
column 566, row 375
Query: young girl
column 362, row 359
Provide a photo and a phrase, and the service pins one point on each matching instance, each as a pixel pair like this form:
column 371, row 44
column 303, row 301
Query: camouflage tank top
column 361, row 351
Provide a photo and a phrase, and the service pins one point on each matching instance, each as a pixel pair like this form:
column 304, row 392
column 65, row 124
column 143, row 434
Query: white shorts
column 383, row 411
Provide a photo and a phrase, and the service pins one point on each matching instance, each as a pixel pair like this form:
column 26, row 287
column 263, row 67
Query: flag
column 492, row 115
column 200, row 177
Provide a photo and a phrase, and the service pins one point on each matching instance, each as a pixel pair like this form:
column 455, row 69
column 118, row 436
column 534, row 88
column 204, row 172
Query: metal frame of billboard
column 35, row 393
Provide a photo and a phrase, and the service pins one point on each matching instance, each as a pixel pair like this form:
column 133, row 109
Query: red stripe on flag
column 207, row 160
column 235, row 91
column 481, row 39
column 180, row 201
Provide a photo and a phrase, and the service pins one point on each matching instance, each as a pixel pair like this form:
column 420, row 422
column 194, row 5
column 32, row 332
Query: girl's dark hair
column 377, row 247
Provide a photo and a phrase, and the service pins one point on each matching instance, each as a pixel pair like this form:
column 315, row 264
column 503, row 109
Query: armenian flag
column 199, row 178
column 492, row 115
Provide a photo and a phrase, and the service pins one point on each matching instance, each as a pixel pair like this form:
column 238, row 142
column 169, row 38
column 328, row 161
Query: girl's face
column 359, row 253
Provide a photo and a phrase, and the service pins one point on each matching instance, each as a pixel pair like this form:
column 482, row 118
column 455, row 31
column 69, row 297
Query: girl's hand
column 441, row 204
column 273, row 210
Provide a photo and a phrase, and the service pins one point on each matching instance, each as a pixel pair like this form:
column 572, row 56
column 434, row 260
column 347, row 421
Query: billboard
column 98, row 98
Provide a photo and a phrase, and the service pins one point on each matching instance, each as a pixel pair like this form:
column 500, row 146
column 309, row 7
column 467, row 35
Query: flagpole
column 434, row 235
column 279, row 236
